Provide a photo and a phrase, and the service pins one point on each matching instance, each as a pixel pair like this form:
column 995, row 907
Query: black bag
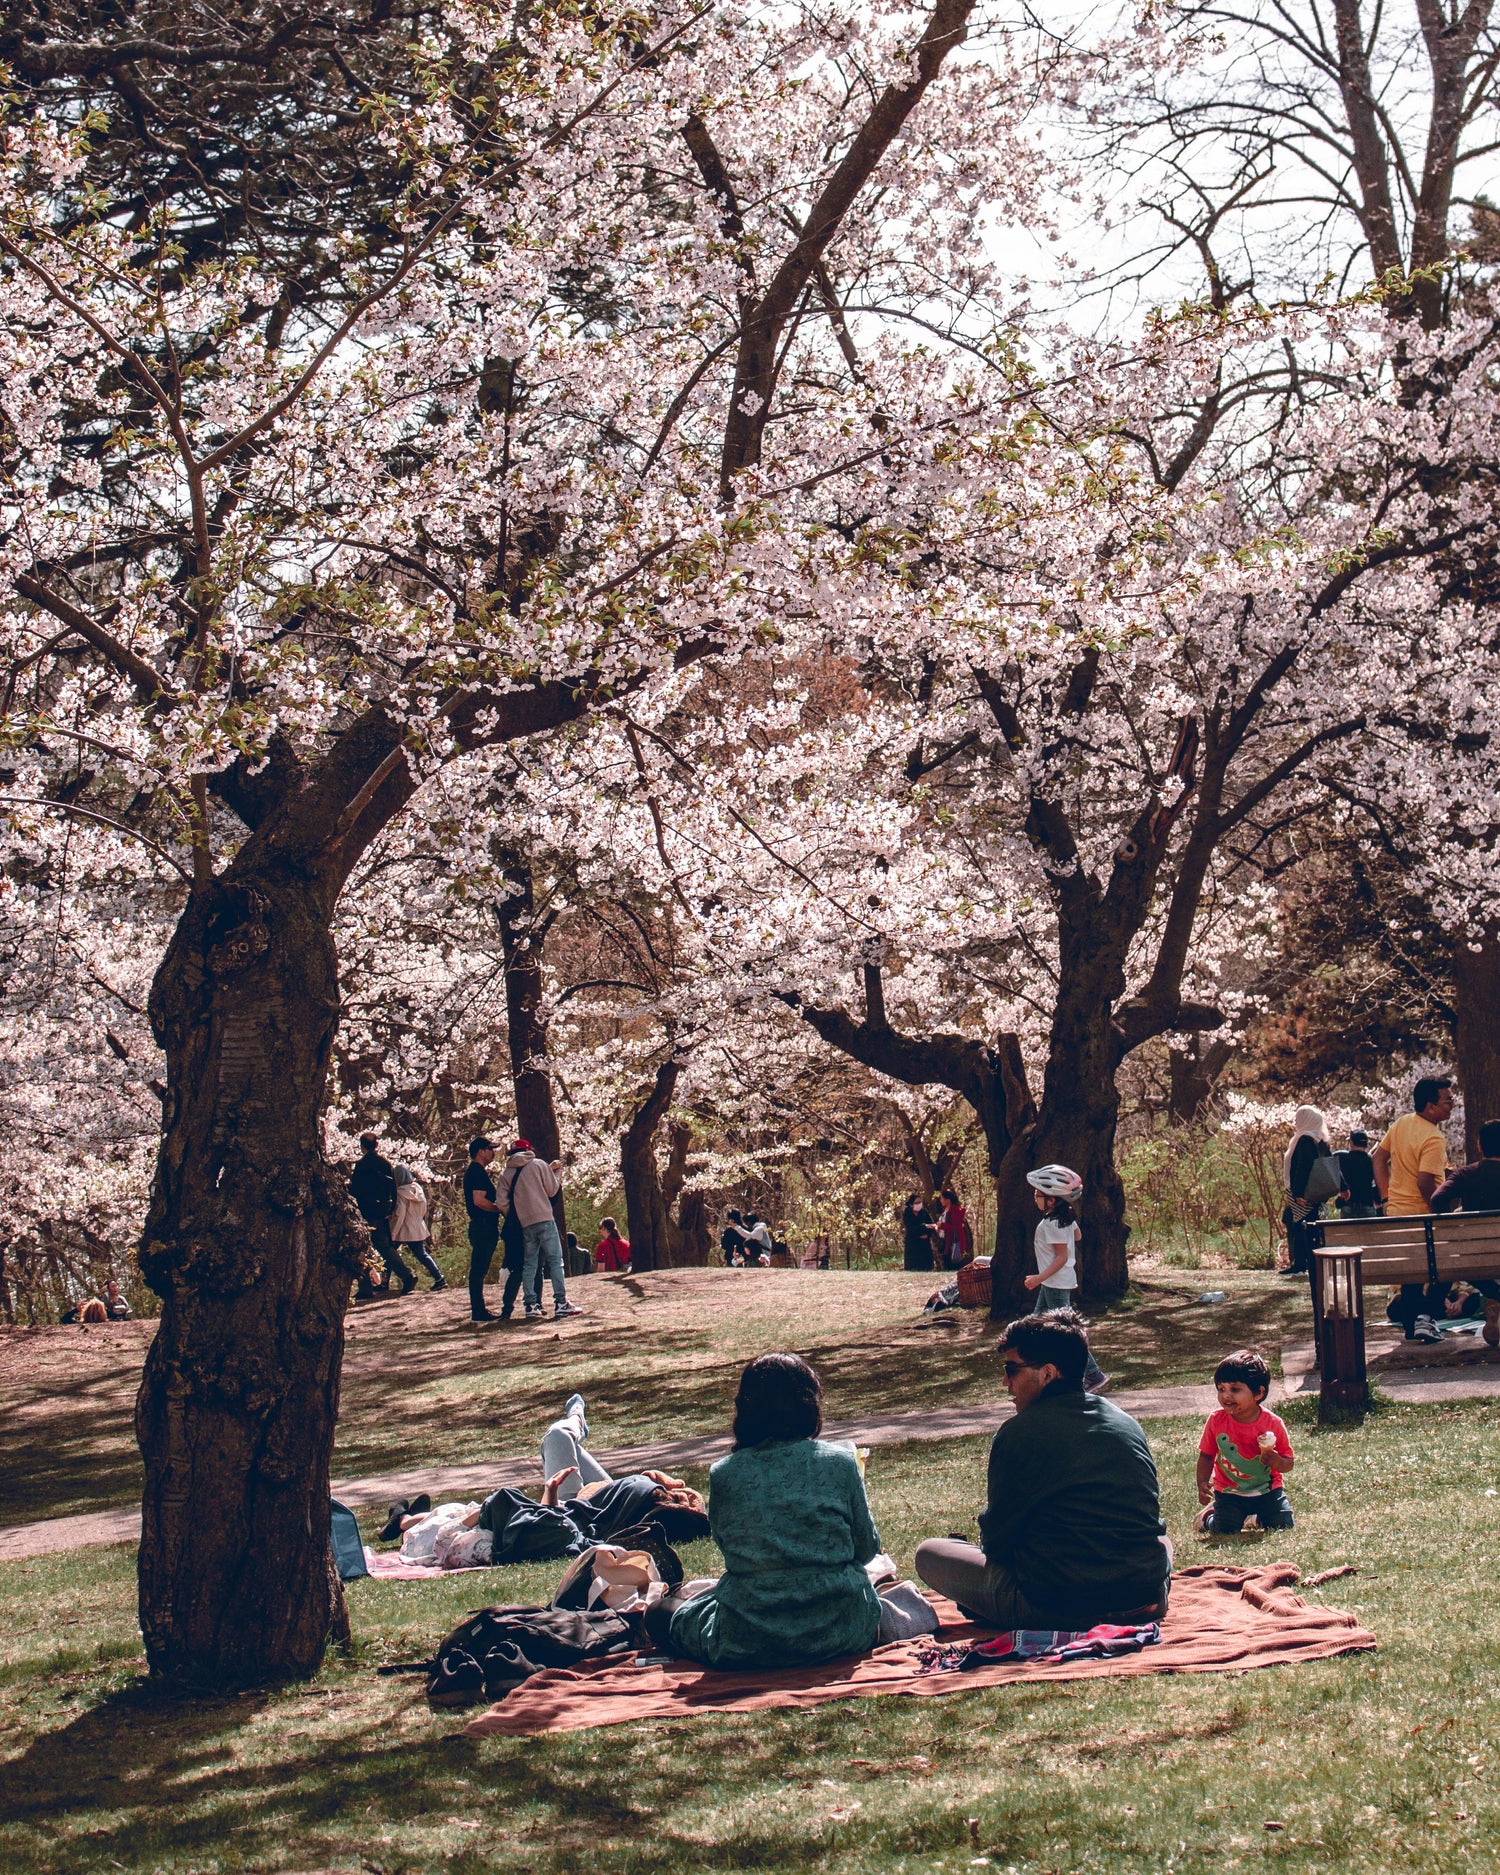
column 495, row 1649
column 511, row 1237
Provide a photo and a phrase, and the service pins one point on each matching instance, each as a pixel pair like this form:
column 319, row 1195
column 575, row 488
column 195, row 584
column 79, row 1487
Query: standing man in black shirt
column 372, row 1184
column 484, row 1236
column 1357, row 1169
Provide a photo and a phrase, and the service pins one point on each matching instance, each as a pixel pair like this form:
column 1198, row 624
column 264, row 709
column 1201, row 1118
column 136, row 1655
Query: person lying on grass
column 790, row 1515
column 594, row 1506
column 1244, row 1453
column 1072, row 1534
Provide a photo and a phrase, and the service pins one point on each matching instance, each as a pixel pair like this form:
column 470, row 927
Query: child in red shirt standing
column 1244, row 1453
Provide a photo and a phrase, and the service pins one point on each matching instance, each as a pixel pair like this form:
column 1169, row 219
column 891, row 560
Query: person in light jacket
column 408, row 1223
column 532, row 1190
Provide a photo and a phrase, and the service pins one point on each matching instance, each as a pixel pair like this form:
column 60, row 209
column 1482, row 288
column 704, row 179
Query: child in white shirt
column 1056, row 1244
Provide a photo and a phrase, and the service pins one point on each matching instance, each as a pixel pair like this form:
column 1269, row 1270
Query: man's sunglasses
column 1014, row 1367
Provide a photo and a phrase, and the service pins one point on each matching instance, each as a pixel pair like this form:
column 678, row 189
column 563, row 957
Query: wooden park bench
column 1460, row 1246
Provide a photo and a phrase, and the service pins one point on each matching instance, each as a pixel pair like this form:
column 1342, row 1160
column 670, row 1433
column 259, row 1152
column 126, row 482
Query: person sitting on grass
column 1244, row 1453
column 1072, row 1534
column 790, row 1515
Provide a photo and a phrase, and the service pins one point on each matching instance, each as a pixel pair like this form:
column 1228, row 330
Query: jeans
column 562, row 1445
column 1228, row 1515
column 390, row 1256
column 425, row 1257
column 1065, row 1299
column 990, row 1594
column 543, row 1251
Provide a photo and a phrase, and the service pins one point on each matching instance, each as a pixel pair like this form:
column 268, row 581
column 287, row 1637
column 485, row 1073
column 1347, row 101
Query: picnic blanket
column 392, row 1566
column 1219, row 1621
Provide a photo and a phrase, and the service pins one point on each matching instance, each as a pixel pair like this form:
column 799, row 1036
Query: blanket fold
column 1220, row 1620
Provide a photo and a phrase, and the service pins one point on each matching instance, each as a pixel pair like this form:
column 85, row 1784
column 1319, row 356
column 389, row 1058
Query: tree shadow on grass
column 147, row 1776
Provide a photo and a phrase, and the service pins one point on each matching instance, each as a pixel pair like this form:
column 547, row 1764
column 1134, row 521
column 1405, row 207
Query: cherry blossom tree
column 294, row 524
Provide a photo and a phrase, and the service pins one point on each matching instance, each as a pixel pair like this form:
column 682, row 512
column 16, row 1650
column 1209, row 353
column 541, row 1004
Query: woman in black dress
column 917, row 1235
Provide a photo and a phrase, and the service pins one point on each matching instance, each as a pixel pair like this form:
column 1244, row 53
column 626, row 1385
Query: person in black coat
column 372, row 1185
column 917, row 1237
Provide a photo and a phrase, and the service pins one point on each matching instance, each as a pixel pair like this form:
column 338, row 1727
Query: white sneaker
column 566, row 1308
column 1425, row 1329
column 534, row 1314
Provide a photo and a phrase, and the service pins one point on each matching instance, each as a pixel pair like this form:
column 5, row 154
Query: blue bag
column 348, row 1545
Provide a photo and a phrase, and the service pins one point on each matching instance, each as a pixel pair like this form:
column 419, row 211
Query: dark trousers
column 1430, row 1299
column 390, row 1256
column 1230, row 1511
column 988, row 1593
column 425, row 1257
column 481, row 1256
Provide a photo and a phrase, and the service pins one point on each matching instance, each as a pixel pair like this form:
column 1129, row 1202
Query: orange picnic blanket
column 1218, row 1621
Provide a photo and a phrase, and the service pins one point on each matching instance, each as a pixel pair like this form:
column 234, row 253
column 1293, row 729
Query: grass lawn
column 659, row 1356
column 1377, row 1762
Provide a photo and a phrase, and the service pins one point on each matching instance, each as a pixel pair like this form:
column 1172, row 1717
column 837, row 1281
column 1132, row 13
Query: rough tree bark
column 1476, row 1034
column 250, row 1240
column 648, row 1214
column 523, row 938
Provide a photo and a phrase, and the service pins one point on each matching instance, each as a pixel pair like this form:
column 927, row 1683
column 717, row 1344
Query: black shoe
column 420, row 1505
column 393, row 1523
column 478, row 1321
column 441, row 1283
column 408, row 1286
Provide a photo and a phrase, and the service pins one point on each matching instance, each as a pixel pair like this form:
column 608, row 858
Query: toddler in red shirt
column 1244, row 1453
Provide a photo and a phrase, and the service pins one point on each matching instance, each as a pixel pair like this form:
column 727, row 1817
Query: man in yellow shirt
column 1409, row 1166
column 1412, row 1158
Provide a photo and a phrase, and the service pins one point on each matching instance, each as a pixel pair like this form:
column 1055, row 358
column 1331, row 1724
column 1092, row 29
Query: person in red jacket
column 611, row 1252
column 955, row 1239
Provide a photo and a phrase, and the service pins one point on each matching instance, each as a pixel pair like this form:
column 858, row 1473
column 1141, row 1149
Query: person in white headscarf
column 1309, row 1143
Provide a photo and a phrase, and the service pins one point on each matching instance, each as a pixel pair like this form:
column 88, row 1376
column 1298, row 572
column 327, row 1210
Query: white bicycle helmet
column 1057, row 1181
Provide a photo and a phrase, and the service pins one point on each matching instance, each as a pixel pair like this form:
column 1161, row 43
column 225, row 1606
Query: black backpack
column 495, row 1649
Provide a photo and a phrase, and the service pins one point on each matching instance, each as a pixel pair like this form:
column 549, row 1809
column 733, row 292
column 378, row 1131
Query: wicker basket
column 974, row 1286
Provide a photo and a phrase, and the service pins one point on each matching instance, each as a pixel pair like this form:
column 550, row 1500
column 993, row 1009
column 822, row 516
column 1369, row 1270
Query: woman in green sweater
column 790, row 1515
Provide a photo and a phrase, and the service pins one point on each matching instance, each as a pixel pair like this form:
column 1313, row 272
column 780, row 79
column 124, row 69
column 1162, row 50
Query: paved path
column 1478, row 1379
column 468, row 1481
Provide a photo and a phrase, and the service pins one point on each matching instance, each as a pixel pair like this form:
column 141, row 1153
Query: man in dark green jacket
column 1072, row 1533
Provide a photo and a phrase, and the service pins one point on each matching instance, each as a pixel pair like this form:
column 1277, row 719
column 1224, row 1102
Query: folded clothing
column 1107, row 1641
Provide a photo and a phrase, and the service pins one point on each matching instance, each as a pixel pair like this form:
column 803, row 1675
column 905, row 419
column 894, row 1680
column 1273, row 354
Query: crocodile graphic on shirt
column 1248, row 1477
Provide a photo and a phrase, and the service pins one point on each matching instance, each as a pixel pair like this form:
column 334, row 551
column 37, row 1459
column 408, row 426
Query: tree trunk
column 1193, row 1073
column 251, row 1244
column 1476, row 1034
column 1075, row 1126
column 695, row 1230
column 522, row 940
column 647, row 1217
column 250, row 1240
